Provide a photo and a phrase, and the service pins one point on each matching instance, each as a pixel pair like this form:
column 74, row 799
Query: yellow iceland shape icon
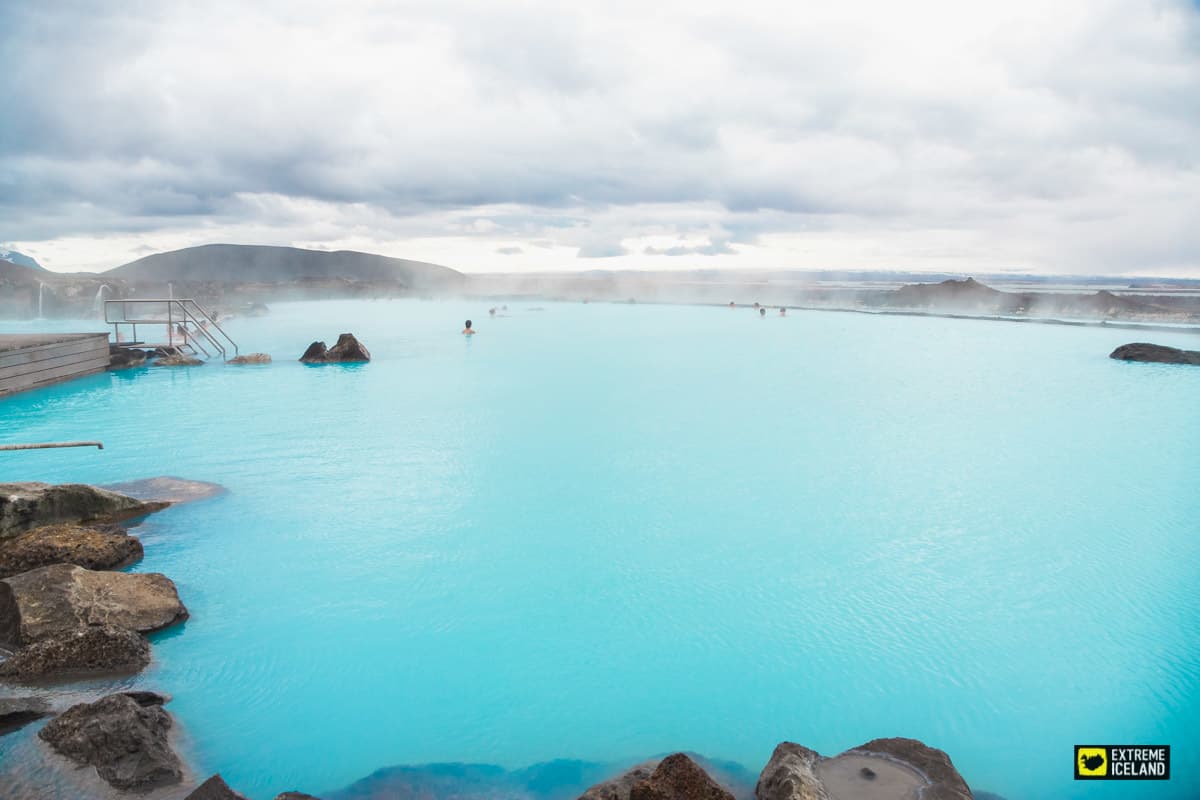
column 1093, row 761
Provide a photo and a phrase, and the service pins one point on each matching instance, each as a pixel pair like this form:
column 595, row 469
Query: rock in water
column 315, row 354
column 61, row 597
column 107, row 547
column 178, row 361
column 126, row 741
column 17, row 712
column 168, row 489
column 29, row 505
column 678, row 778
column 944, row 781
column 83, row 650
column 882, row 768
column 252, row 358
column 790, row 775
column 295, row 796
column 347, row 350
column 618, row 788
column 1155, row 353
column 215, row 788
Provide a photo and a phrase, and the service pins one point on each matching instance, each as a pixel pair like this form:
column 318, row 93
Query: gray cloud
column 599, row 132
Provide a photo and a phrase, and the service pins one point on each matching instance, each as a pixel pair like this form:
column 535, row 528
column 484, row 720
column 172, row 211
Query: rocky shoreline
column 67, row 617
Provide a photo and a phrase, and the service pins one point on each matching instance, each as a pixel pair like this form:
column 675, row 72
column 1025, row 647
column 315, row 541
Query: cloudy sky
column 1058, row 136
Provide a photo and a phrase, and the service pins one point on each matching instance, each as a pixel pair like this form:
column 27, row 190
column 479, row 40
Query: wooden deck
column 28, row 361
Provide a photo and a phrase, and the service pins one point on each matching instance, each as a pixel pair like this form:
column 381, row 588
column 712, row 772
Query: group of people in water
column 762, row 312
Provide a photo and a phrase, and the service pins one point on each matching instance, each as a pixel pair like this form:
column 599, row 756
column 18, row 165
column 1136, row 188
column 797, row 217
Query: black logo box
column 1109, row 748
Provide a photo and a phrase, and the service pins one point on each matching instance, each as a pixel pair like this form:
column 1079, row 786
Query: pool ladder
column 190, row 328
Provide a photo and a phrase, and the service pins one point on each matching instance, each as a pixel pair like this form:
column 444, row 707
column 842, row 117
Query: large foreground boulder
column 124, row 736
column 881, row 769
column 42, row 602
column 29, row 505
column 91, row 649
column 1155, row 353
column 98, row 547
column 17, row 712
column 618, row 788
column 677, row 777
column 791, row 775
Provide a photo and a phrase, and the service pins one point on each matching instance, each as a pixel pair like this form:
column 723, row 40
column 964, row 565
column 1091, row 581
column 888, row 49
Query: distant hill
column 20, row 259
column 242, row 263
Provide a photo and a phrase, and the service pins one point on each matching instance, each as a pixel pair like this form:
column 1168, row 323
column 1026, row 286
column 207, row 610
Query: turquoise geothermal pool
column 608, row 531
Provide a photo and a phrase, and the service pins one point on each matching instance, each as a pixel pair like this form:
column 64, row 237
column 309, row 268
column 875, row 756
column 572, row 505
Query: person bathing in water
column 468, row 330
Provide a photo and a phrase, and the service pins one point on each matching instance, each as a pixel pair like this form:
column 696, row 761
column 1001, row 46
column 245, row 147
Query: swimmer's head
column 468, row 323
column 492, row 311
column 762, row 312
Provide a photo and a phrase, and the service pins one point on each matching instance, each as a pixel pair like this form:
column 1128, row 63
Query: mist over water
column 608, row 531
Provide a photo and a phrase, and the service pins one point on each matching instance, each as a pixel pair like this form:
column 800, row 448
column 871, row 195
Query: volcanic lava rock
column 79, row 651
column 29, row 505
column 178, row 361
column 17, row 712
column 790, row 775
column 42, row 602
column 1155, row 353
column 881, row 768
column 618, row 788
column 250, row 358
column 124, row 358
column 347, row 349
column 215, row 788
column 124, row 739
column 107, row 547
column 944, row 781
column 315, row 354
column 677, row 777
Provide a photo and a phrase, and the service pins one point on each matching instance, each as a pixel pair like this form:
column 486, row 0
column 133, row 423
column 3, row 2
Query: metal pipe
column 47, row 445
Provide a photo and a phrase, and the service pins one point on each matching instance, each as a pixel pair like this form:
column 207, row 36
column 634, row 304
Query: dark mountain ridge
column 241, row 263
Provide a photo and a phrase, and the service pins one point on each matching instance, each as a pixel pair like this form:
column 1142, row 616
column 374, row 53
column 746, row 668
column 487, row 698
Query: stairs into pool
column 180, row 324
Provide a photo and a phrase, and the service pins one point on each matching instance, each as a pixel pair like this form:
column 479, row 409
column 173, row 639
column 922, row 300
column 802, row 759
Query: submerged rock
column 124, row 739
column 80, row 651
column 677, row 777
column 17, row 712
column 250, row 358
column 315, row 354
column 168, row 489
column 29, row 505
column 50, row 600
column 215, row 788
column 178, row 360
column 107, row 547
column 1155, row 353
column 295, row 796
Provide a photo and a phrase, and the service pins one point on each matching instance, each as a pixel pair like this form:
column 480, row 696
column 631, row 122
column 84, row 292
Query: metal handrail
column 50, row 445
column 190, row 312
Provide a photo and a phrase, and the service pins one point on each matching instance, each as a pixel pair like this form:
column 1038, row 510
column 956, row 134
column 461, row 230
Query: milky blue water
column 603, row 532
